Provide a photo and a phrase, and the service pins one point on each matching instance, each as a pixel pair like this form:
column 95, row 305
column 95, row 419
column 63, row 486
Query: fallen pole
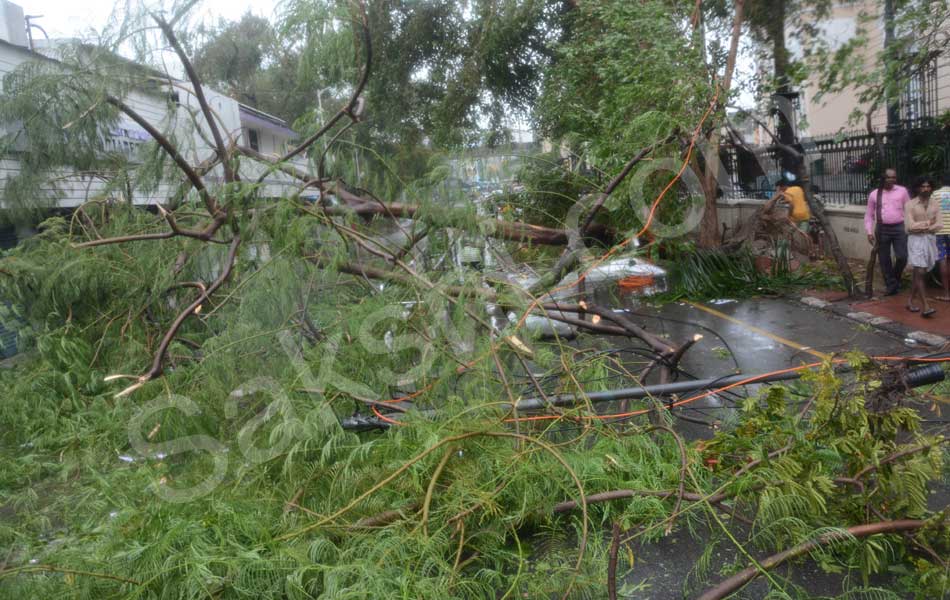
column 924, row 375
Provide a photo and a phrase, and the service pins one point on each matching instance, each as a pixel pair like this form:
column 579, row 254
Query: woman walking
column 922, row 220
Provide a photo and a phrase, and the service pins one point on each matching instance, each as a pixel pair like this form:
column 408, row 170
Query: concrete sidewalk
column 888, row 313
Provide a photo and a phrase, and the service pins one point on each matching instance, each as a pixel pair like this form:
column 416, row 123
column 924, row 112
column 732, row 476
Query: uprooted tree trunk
column 708, row 235
column 764, row 227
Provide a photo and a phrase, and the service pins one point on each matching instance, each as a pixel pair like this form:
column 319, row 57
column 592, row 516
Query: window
column 919, row 100
column 253, row 141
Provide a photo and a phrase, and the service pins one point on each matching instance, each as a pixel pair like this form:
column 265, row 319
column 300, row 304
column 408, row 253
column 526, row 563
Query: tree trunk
column 818, row 210
column 709, row 226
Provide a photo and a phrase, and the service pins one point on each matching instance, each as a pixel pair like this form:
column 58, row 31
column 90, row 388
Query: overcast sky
column 74, row 18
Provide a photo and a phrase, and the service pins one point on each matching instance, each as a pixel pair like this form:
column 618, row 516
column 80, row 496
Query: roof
column 5, row 44
column 259, row 118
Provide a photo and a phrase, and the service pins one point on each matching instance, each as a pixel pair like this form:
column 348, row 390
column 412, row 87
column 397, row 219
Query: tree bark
column 817, row 208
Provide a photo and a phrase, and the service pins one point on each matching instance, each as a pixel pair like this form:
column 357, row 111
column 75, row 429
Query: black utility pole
column 893, row 103
column 783, row 99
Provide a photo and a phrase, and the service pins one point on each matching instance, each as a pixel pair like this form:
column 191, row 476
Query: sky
column 74, row 18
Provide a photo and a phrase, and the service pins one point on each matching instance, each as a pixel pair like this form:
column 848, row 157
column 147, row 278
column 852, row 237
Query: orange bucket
column 635, row 282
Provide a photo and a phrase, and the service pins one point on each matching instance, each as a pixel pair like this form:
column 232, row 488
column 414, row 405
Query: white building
column 239, row 123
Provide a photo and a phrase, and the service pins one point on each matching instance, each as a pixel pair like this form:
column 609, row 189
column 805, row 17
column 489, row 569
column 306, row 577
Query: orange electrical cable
column 384, row 418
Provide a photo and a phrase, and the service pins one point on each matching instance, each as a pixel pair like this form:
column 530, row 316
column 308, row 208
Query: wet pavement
column 895, row 309
column 765, row 334
column 755, row 336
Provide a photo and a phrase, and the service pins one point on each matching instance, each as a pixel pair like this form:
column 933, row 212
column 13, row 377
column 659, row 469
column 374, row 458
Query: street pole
column 893, row 103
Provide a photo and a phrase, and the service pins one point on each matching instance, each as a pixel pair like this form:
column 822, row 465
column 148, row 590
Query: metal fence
column 842, row 168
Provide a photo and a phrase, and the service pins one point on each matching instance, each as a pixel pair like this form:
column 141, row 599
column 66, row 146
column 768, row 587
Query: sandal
column 929, row 313
column 913, row 308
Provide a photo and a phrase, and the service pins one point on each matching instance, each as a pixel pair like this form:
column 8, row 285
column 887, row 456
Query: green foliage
column 230, row 476
column 930, row 157
column 884, row 73
column 89, row 483
column 630, row 73
column 840, row 462
column 549, row 188
column 57, row 117
column 441, row 70
column 251, row 61
column 697, row 273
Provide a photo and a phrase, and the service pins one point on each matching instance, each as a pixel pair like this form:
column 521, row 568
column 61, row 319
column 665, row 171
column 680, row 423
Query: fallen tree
column 250, row 327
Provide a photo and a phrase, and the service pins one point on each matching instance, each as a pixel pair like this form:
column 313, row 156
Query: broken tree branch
column 205, row 235
column 158, row 361
column 199, row 95
column 612, row 562
column 349, row 108
column 656, row 343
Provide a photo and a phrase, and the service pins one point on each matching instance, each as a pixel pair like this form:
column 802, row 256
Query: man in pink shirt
column 886, row 225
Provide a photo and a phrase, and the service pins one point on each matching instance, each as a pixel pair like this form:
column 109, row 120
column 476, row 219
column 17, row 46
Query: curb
column 911, row 336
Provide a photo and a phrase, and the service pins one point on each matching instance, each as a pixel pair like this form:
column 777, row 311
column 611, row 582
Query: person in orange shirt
column 798, row 211
column 794, row 197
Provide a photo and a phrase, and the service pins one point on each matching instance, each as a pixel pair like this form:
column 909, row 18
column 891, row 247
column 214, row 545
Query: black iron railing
column 842, row 168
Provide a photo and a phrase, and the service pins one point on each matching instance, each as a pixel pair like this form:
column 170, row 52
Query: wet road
column 764, row 334
column 754, row 336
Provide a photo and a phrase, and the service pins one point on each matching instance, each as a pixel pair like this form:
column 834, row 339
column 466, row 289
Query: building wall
column 847, row 222
column 72, row 189
column 830, row 114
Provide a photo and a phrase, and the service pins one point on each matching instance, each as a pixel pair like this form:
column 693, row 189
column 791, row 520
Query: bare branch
column 169, row 149
column 737, row 581
column 158, row 361
column 349, row 108
column 205, row 235
column 199, row 94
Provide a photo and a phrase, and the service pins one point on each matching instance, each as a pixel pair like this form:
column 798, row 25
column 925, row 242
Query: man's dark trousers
column 888, row 236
